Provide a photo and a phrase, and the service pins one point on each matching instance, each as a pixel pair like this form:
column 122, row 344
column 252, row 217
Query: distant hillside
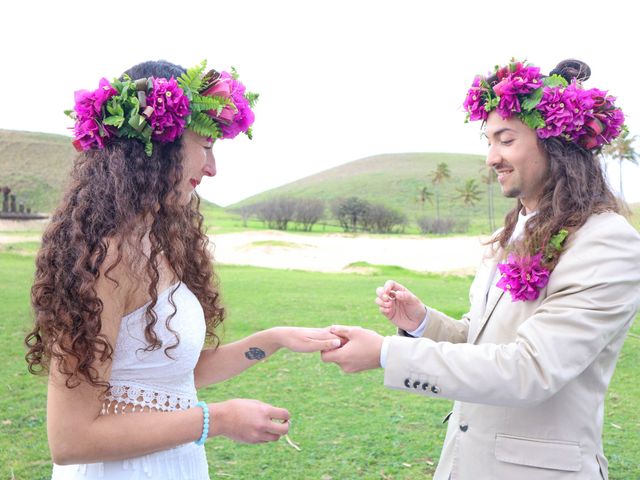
column 396, row 180
column 35, row 166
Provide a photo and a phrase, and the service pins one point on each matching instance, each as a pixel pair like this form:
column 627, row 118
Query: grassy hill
column 35, row 166
column 395, row 180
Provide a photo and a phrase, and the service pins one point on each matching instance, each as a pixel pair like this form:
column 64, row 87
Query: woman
column 529, row 365
column 125, row 292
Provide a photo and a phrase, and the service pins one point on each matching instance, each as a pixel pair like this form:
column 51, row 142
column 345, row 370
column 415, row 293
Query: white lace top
column 151, row 379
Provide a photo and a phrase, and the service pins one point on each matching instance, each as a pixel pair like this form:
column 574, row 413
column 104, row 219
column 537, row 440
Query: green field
column 348, row 426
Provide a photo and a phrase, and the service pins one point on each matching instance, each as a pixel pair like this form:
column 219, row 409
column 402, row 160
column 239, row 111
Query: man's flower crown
column 212, row 104
column 549, row 105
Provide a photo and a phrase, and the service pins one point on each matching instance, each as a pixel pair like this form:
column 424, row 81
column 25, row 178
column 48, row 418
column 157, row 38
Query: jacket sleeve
column 592, row 297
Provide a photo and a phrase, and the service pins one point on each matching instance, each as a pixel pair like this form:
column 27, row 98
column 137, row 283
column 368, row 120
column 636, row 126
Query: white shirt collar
column 522, row 220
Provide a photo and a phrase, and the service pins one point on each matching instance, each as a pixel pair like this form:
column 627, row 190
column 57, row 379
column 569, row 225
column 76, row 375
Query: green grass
column 35, row 166
column 348, row 426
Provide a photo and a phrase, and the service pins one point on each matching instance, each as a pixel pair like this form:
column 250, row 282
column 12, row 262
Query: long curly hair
column 575, row 188
column 110, row 192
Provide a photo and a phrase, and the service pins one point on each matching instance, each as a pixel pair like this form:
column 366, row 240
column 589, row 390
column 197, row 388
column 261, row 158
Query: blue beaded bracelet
column 205, row 423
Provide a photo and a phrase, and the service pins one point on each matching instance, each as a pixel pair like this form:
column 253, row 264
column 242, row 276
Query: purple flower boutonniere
column 524, row 277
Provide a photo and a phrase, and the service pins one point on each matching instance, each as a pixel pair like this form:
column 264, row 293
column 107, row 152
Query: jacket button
column 406, row 383
column 464, row 427
column 416, row 384
column 425, row 385
column 435, row 389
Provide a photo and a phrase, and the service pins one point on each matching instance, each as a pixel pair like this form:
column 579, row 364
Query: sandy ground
column 335, row 252
column 321, row 253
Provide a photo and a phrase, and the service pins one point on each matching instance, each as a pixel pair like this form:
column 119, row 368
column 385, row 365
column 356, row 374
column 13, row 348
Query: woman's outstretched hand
column 248, row 421
column 306, row 340
column 399, row 305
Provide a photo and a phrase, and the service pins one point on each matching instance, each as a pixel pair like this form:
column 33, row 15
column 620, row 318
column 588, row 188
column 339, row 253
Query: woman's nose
column 209, row 168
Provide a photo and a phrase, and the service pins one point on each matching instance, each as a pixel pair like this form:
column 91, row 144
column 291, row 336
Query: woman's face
column 198, row 162
column 518, row 159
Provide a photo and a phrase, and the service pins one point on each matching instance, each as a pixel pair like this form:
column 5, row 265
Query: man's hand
column 399, row 305
column 360, row 352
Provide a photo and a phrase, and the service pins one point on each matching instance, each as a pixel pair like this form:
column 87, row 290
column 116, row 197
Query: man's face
column 517, row 158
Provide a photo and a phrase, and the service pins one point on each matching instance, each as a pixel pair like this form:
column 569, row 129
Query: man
column 551, row 303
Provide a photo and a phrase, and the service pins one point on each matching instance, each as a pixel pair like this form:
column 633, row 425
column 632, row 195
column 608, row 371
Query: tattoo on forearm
column 255, row 353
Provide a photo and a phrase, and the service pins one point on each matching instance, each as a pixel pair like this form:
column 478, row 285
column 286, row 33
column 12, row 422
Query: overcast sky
column 338, row 80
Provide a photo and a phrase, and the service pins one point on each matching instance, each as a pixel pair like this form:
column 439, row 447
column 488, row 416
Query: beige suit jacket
column 529, row 378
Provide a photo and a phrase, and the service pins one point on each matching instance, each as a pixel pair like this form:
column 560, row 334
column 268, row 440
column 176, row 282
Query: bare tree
column 349, row 212
column 308, row 212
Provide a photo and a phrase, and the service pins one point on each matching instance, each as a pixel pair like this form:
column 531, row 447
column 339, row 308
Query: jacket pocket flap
column 533, row 452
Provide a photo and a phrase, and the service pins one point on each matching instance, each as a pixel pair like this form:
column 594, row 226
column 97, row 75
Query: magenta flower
column 244, row 117
column 222, row 88
column 523, row 277
column 170, row 109
column 236, row 117
column 521, row 81
column 603, row 121
column 88, row 131
column 474, row 104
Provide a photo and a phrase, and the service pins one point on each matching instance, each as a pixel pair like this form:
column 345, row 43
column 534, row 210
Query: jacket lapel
column 490, row 296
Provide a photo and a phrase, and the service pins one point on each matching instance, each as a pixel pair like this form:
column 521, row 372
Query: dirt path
column 321, row 253
column 334, row 253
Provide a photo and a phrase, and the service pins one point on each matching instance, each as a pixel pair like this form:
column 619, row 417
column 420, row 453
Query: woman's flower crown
column 549, row 105
column 213, row 104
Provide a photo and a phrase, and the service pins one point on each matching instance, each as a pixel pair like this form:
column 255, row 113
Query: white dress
column 154, row 380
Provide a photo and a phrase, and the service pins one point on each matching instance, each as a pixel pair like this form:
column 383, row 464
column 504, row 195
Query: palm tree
column 438, row 176
column 489, row 179
column 621, row 149
column 425, row 196
column 469, row 194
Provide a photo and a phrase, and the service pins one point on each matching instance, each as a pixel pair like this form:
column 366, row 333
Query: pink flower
column 603, row 122
column 170, row 109
column 234, row 118
column 523, row 277
column 88, row 131
column 222, row 88
column 474, row 104
column 515, row 80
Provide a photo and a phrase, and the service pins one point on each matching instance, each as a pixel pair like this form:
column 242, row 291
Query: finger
column 331, row 356
column 269, row 437
column 380, row 302
column 341, row 331
column 323, row 345
column 279, row 414
column 403, row 295
column 380, row 291
column 392, row 285
column 278, row 428
column 385, row 310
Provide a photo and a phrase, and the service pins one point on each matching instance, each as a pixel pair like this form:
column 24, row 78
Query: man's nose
column 493, row 157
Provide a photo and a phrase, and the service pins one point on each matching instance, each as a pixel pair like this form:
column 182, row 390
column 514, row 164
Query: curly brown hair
column 110, row 191
column 575, row 188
